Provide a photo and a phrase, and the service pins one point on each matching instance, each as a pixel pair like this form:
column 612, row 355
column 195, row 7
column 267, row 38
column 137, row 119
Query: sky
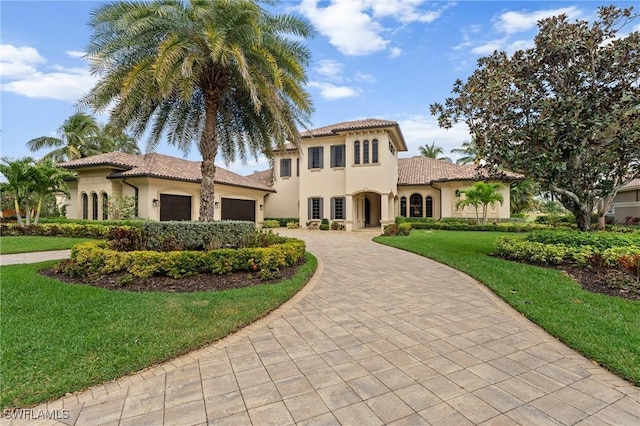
column 386, row 59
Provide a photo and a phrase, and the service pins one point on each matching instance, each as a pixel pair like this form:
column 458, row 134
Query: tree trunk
column 208, row 150
column 18, row 216
column 604, row 204
column 484, row 214
column 583, row 219
column 38, row 210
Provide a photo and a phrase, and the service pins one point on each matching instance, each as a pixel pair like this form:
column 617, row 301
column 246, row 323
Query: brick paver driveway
column 382, row 337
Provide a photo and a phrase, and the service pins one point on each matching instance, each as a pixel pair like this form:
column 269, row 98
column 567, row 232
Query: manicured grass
column 29, row 244
column 58, row 338
column 603, row 328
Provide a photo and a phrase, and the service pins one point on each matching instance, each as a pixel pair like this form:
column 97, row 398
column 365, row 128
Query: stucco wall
column 284, row 202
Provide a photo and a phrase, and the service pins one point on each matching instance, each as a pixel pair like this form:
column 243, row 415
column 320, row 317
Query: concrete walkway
column 381, row 336
column 14, row 259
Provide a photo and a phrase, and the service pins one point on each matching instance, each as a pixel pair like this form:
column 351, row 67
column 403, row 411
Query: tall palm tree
column 46, row 179
column 226, row 75
column 110, row 139
column 17, row 173
column 469, row 152
column 481, row 195
column 433, row 151
column 74, row 141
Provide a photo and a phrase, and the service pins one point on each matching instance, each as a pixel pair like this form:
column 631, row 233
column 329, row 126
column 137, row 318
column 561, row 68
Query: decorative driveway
column 380, row 336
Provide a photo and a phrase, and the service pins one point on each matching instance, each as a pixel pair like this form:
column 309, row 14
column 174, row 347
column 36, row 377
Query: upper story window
column 315, row 157
column 365, row 152
column 356, row 152
column 374, row 151
column 285, row 167
column 337, row 156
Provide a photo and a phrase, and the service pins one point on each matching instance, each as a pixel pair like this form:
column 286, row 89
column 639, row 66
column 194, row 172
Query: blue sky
column 387, row 59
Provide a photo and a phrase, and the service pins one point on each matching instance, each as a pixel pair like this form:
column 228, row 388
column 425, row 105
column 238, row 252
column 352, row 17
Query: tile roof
column 161, row 166
column 632, row 184
column 332, row 129
column 424, row 171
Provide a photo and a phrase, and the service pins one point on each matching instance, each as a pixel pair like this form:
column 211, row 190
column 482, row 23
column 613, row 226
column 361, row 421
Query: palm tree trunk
column 18, row 216
column 38, row 210
column 208, row 150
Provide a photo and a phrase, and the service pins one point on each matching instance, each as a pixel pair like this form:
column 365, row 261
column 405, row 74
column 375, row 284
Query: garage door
column 175, row 207
column 233, row 209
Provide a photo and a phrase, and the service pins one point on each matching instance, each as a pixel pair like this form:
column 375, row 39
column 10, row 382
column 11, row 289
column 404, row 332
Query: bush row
column 599, row 240
column 95, row 258
column 501, row 227
column 556, row 254
column 186, row 235
column 403, row 229
column 282, row 221
column 124, row 222
column 56, row 230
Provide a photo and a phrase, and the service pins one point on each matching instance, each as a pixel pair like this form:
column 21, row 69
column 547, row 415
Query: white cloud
column 488, row 48
column 367, row 78
column 75, row 53
column 29, row 75
column 514, row 22
column 422, row 130
column 329, row 68
column 332, row 92
column 18, row 61
column 68, row 85
column 394, row 52
column 354, row 27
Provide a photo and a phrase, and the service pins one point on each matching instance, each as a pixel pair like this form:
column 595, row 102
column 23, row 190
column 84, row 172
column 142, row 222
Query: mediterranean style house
column 627, row 202
column 348, row 172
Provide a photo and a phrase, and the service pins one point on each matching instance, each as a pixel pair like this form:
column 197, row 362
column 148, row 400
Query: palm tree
column 226, row 75
column 46, row 179
column 433, row 151
column 522, row 195
column 110, row 139
column 75, row 139
column 481, row 195
column 17, row 173
column 469, row 152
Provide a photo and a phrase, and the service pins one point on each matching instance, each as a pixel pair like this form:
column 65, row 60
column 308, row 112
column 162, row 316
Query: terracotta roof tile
column 162, row 166
column 632, row 184
column 333, row 129
column 265, row 177
column 425, row 170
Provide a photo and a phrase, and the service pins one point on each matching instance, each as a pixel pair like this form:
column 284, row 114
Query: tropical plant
column 523, row 195
column 228, row 76
column 46, row 179
column 469, row 152
column 564, row 112
column 433, row 151
column 75, row 139
column 480, row 195
column 109, row 139
column 18, row 184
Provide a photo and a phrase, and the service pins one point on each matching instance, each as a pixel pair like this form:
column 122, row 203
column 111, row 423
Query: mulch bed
column 612, row 282
column 203, row 282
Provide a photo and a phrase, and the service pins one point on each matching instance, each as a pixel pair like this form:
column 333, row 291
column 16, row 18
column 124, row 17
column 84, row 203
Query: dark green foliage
column 337, row 226
column 124, row 239
column 598, row 240
column 196, row 235
column 56, row 230
column 125, row 222
column 283, row 221
column 324, row 225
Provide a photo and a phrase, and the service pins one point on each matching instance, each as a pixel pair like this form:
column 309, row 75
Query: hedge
column 196, row 235
column 282, row 221
column 56, row 230
column 600, row 240
column 95, row 258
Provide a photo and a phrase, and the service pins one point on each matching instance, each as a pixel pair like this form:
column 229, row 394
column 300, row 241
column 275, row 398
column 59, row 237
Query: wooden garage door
column 233, row 209
column 175, row 207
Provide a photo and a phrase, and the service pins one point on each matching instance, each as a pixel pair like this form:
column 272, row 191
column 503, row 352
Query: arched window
column 105, row 206
column 356, row 152
column 85, row 206
column 457, row 193
column 415, row 207
column 374, row 151
column 365, row 152
column 403, row 206
column 94, row 206
column 429, row 206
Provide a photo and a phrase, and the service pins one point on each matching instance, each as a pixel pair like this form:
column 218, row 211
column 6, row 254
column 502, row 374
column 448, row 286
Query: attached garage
column 235, row 209
column 175, row 207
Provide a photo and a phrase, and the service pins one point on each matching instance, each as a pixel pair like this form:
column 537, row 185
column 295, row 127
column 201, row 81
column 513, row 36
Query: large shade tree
column 227, row 76
column 565, row 112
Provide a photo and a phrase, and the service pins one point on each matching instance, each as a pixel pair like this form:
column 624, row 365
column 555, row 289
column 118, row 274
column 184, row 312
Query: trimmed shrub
column 137, row 223
column 124, row 239
column 337, row 226
column 324, row 225
column 56, row 230
column 404, row 229
column 293, row 225
column 283, row 221
column 390, row 230
column 196, row 235
column 271, row 224
column 600, row 240
column 95, row 258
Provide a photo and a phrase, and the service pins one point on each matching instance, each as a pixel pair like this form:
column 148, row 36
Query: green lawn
column 57, row 338
column 605, row 329
column 10, row 245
